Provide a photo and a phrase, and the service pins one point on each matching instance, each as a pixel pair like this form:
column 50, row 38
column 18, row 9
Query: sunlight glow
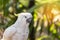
column 56, row 18
column 38, row 28
column 55, row 11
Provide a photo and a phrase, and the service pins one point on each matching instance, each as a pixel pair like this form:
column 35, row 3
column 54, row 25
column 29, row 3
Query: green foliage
column 25, row 2
column 22, row 6
column 5, row 7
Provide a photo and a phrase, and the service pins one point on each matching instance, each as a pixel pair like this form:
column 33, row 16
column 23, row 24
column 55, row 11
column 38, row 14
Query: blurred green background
column 45, row 24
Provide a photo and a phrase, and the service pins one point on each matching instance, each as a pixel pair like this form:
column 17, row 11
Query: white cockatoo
column 19, row 30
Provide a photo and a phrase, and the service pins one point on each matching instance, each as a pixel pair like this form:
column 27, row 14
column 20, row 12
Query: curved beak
column 29, row 20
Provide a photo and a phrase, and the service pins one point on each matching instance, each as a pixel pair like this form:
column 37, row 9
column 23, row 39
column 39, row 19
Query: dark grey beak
column 29, row 20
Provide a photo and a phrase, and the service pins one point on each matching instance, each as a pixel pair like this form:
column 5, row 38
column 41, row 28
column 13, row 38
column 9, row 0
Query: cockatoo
column 19, row 30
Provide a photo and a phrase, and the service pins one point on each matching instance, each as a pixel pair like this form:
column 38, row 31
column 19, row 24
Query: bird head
column 27, row 16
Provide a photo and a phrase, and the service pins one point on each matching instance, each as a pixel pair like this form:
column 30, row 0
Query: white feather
column 19, row 30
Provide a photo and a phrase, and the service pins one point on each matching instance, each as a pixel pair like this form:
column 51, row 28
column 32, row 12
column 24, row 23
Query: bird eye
column 25, row 17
